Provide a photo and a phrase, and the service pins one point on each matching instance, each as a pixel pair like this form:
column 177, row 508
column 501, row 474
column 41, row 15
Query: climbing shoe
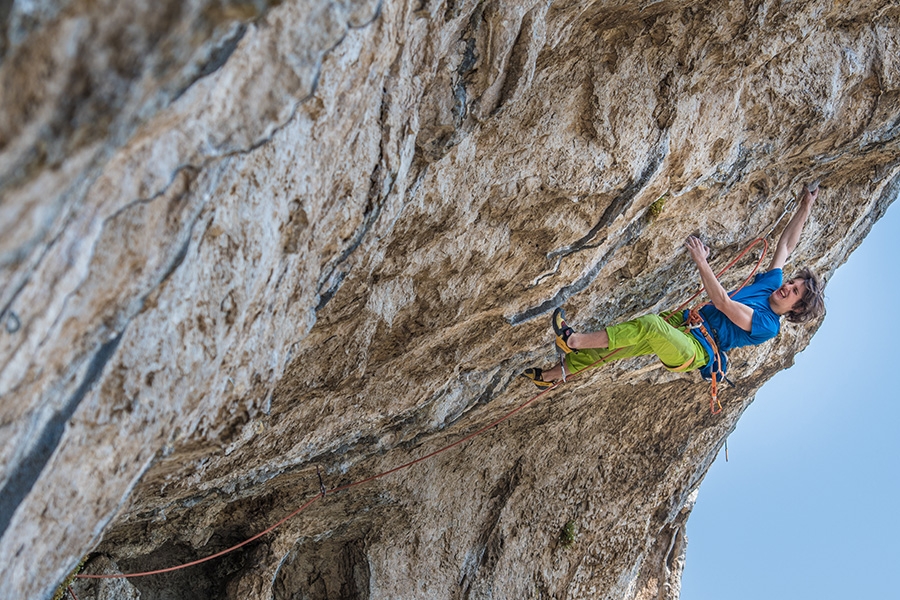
column 562, row 330
column 536, row 377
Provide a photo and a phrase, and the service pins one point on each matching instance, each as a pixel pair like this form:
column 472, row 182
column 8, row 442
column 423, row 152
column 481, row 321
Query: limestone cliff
column 242, row 240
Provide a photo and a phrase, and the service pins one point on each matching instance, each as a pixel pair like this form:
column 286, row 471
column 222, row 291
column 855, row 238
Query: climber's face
column 784, row 298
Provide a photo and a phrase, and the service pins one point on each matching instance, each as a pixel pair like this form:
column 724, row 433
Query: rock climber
column 749, row 317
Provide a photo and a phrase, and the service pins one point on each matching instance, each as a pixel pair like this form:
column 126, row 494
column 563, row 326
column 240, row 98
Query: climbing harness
column 695, row 323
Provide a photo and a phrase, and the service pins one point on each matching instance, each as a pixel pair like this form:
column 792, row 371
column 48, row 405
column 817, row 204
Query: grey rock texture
column 243, row 240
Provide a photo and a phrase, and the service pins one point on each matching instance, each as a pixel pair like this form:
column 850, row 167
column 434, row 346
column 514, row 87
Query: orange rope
column 348, row 486
column 332, row 491
column 211, row 556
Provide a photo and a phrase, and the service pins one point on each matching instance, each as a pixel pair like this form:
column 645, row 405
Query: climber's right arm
column 739, row 314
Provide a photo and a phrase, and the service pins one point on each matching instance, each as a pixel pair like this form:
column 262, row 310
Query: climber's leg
column 650, row 334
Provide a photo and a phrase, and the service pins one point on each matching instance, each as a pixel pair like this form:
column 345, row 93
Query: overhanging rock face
column 243, row 241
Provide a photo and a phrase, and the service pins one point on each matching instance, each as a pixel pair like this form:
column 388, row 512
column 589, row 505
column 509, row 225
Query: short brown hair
column 812, row 304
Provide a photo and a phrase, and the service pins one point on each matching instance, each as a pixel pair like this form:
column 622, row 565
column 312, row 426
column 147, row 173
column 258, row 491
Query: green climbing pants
column 650, row 334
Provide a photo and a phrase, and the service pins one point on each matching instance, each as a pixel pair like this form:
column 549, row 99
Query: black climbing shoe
column 536, row 377
column 562, row 330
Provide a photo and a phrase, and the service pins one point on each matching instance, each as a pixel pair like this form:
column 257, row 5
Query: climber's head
column 801, row 298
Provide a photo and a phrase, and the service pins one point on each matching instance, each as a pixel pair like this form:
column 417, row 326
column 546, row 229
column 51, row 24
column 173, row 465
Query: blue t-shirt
column 765, row 323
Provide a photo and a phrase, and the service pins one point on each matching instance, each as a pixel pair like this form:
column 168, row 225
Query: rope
column 322, row 494
column 409, row 464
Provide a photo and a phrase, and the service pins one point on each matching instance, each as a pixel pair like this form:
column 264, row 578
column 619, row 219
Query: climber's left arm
column 791, row 234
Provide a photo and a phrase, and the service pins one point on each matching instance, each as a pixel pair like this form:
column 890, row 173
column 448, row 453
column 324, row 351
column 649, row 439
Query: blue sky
column 808, row 504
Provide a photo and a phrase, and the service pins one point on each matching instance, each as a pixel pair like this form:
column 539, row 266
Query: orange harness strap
column 695, row 321
column 682, row 368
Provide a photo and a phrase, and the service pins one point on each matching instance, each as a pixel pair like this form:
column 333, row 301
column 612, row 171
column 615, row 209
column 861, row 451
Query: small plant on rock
column 568, row 534
column 657, row 207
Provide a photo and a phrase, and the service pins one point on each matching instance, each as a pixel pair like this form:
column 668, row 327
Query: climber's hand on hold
column 791, row 234
column 698, row 250
column 809, row 195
